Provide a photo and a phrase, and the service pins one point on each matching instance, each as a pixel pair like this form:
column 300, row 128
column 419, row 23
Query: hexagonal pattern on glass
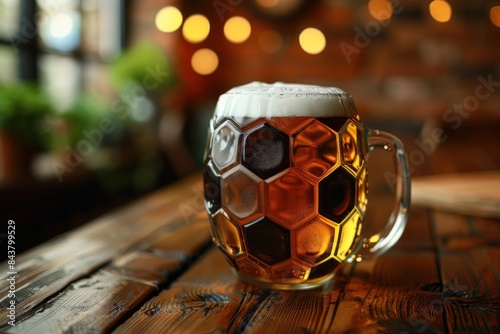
column 315, row 240
column 362, row 190
column 265, row 151
column 324, row 269
column 250, row 267
column 227, row 235
column 242, row 192
column 315, row 149
column 334, row 123
column 290, row 199
column 211, row 185
column 245, row 122
column 208, row 142
column 289, row 211
column 267, row 241
column 289, row 269
column 225, row 146
column 337, row 195
column 289, row 125
column 350, row 143
column 349, row 230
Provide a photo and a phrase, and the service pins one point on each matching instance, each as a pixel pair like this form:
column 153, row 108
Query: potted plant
column 24, row 108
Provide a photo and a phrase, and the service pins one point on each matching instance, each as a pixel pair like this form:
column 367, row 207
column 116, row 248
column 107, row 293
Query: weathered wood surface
column 132, row 272
column 109, row 265
column 475, row 193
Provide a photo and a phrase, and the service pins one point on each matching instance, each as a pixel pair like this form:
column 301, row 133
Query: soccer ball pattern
column 285, row 196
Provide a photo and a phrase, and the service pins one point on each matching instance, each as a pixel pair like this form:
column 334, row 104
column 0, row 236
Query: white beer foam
column 263, row 100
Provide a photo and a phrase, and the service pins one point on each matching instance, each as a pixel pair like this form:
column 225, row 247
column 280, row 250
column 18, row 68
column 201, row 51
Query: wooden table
column 150, row 268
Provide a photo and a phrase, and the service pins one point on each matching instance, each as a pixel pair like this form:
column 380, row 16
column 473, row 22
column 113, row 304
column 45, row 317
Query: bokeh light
column 61, row 25
column 237, row 29
column 312, row 40
column 204, row 61
column 270, row 41
column 196, row 28
column 61, row 31
column 440, row 10
column 168, row 19
column 495, row 15
column 381, row 10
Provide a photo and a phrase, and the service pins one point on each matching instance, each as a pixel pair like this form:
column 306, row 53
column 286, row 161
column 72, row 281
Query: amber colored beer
column 285, row 182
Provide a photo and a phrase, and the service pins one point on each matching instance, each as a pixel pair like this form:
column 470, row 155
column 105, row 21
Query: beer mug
column 285, row 183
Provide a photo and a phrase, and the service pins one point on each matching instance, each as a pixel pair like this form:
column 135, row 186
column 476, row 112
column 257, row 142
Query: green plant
column 143, row 64
column 23, row 109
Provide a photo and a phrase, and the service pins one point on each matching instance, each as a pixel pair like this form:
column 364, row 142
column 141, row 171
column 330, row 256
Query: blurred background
column 104, row 101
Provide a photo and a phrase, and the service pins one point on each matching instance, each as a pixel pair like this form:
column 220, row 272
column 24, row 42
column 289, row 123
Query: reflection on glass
column 9, row 17
column 8, row 64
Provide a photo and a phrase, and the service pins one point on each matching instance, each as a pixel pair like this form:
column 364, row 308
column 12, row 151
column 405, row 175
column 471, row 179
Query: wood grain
column 131, row 272
column 101, row 301
column 467, row 193
column 209, row 299
column 46, row 270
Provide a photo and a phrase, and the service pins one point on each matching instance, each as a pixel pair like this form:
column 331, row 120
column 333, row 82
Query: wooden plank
column 464, row 232
column 101, row 301
column 471, row 273
column 47, row 269
column 469, row 317
column 396, row 292
column 471, row 277
column 466, row 193
column 208, row 298
column 469, row 262
column 84, row 308
column 417, row 234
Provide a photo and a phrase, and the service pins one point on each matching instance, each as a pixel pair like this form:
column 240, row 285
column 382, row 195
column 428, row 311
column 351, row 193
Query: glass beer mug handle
column 390, row 234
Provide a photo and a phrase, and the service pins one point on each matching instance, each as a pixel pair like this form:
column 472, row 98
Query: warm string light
column 495, row 15
column 237, row 29
column 312, row 40
column 168, row 19
column 381, row 10
column 440, row 10
column 204, row 61
column 196, row 28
